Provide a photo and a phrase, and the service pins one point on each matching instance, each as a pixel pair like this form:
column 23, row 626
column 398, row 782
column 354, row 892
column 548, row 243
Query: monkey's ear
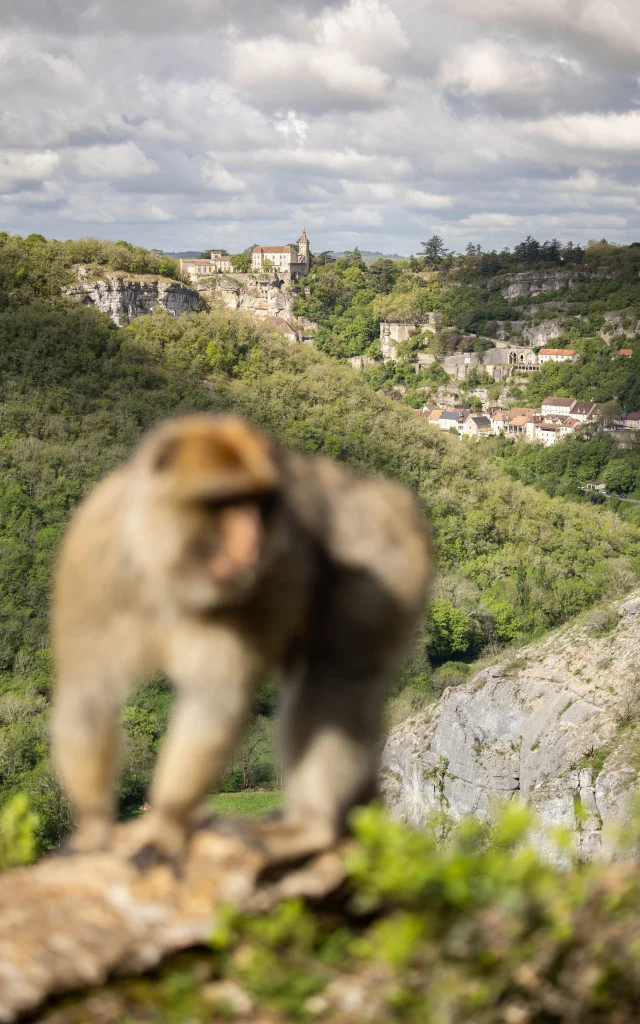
column 165, row 456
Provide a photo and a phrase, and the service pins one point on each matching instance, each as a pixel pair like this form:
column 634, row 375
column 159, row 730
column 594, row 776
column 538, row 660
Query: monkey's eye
column 265, row 503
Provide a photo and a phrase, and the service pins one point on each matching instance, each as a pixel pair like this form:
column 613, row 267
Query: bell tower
column 303, row 247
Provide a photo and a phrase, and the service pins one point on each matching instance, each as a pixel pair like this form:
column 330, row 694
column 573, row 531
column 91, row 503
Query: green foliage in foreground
column 475, row 929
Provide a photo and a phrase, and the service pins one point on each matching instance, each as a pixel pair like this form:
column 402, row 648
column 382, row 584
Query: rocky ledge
column 125, row 297
column 558, row 726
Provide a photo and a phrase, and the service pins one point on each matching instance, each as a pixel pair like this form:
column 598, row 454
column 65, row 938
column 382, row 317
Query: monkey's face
column 209, row 497
column 224, row 548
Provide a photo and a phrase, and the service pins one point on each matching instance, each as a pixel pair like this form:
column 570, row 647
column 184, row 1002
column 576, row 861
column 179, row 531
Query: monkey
column 216, row 556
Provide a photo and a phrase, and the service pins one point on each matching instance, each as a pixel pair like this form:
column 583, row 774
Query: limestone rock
column 534, row 282
column 541, row 334
column 125, row 297
column 70, row 922
column 531, row 729
column 262, row 297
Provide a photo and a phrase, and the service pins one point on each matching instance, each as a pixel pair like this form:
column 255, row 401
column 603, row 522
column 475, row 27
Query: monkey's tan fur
column 215, row 557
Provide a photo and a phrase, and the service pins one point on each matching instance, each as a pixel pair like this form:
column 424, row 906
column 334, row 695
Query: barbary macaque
column 215, row 556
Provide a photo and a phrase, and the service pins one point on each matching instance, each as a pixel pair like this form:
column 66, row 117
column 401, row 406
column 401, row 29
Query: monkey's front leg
column 85, row 742
column 216, row 676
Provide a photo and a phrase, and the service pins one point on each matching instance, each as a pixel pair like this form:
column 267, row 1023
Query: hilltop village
column 468, row 375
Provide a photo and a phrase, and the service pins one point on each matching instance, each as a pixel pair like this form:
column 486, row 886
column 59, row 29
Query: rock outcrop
column 126, row 296
column 529, row 283
column 262, row 297
column 555, row 727
column 541, row 334
column 71, row 922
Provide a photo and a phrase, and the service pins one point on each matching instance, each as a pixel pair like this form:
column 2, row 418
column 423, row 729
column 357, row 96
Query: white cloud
column 612, row 133
column 158, row 213
column 215, row 176
column 478, row 221
column 487, row 67
column 16, row 166
column 275, row 71
column 124, row 160
column 242, row 120
column 427, row 201
column 291, row 126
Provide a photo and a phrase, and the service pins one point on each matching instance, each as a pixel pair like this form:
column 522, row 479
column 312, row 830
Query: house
column 557, row 355
column 498, row 419
column 283, row 259
column 219, row 262
column 585, row 412
column 450, row 418
column 547, row 433
column 393, row 332
column 626, row 352
column 630, row 420
column 560, row 406
column 476, row 426
column 514, row 422
column 595, row 485
column 434, row 416
column 278, row 324
column 569, row 425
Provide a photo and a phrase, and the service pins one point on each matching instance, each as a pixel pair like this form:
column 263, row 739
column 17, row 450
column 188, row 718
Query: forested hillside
column 75, row 394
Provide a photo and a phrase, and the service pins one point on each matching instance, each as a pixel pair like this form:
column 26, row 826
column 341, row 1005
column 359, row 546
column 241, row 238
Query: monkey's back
column 367, row 524
column 91, row 576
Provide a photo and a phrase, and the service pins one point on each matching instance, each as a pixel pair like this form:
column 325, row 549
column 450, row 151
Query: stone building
column 499, row 363
column 557, row 355
column 283, row 258
column 393, row 332
column 476, row 426
column 200, row 269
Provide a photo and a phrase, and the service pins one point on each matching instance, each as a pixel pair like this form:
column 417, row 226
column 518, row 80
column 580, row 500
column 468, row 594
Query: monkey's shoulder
column 93, row 532
column 365, row 522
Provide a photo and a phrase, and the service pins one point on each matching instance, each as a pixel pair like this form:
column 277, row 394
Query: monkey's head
column 207, row 494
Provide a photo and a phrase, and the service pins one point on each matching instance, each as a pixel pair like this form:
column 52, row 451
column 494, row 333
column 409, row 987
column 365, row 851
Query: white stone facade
column 283, row 259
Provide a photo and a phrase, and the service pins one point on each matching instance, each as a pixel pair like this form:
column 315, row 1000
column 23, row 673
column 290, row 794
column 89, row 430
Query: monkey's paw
column 93, row 835
column 154, row 840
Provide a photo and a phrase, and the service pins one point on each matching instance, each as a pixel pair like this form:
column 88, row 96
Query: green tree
column 241, row 261
column 433, row 251
column 450, row 631
column 619, row 476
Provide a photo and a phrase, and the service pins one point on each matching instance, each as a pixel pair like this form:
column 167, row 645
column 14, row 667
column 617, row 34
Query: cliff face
column 125, row 297
column 261, row 298
column 535, row 282
column 541, row 334
column 556, row 728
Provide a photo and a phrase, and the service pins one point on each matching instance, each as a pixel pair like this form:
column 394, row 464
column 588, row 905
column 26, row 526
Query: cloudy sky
column 186, row 123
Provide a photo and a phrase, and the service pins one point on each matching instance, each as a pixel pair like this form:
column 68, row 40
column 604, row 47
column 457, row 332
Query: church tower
column 303, row 247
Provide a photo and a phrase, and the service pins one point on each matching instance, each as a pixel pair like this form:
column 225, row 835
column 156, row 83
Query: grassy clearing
column 249, row 803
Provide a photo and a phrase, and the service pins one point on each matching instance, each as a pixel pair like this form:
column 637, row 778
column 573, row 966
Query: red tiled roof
column 566, row 402
column 279, row 324
column 557, row 352
column 632, row 416
column 625, row 351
